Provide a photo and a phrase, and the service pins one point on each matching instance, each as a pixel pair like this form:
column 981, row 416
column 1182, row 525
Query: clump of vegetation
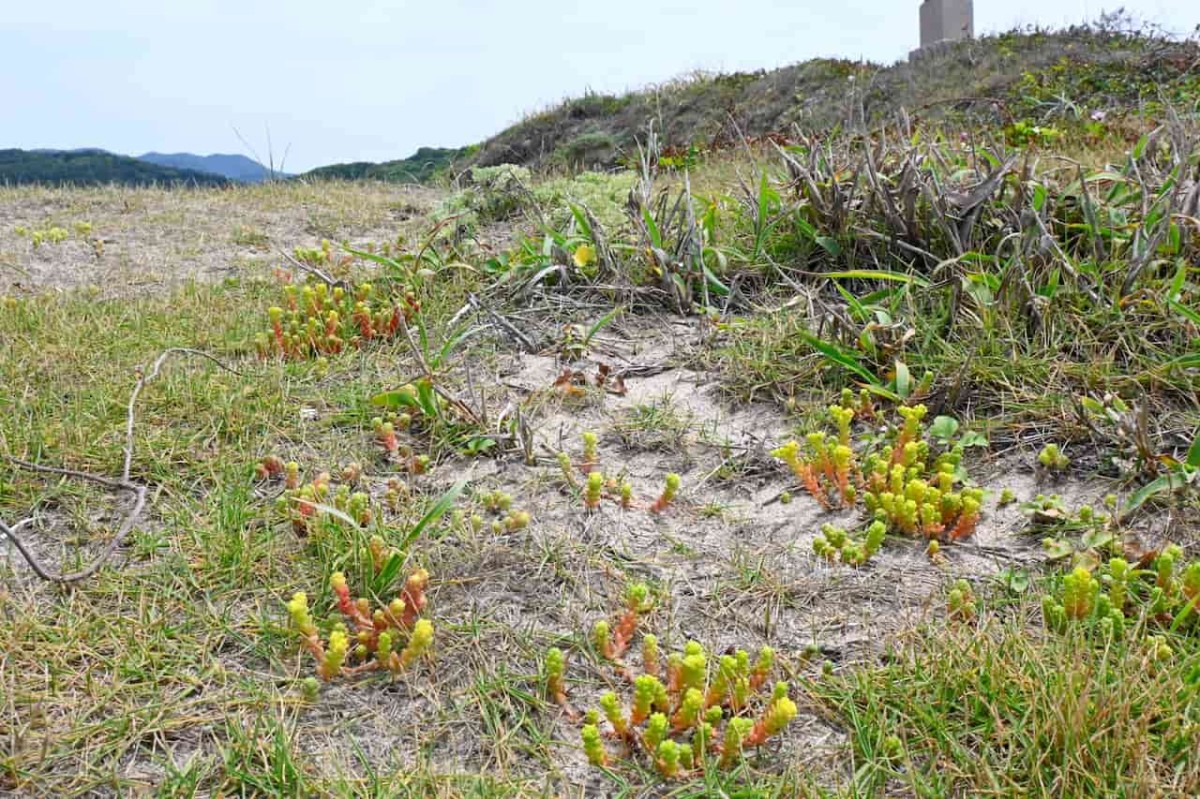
column 1052, row 459
column 960, row 601
column 687, row 713
column 51, row 235
column 1083, row 536
column 612, row 642
column 837, row 546
column 694, row 716
column 317, row 320
column 391, row 637
column 597, row 486
column 670, row 491
column 506, row 517
column 603, row 194
column 900, row 488
column 386, row 431
column 1164, row 594
column 489, row 194
column 308, row 506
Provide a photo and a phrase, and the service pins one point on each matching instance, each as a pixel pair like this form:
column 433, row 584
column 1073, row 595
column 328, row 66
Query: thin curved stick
column 124, row 483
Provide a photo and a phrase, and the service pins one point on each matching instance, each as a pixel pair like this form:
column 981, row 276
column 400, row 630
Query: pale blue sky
column 370, row 81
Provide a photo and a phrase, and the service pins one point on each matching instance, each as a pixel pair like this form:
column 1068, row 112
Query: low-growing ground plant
column 1083, row 536
column 685, row 714
column 1053, row 460
column 837, row 546
column 1165, row 593
column 317, row 319
column 909, row 483
column 390, row 638
column 597, row 487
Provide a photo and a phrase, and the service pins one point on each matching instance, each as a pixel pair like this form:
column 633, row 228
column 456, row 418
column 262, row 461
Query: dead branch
column 314, row 271
column 508, row 327
column 124, row 483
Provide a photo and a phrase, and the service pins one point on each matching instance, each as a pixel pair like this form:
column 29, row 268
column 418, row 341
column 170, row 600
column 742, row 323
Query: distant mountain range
column 234, row 167
column 90, row 166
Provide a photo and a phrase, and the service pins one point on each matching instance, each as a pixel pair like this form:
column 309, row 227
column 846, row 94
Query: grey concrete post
column 946, row 21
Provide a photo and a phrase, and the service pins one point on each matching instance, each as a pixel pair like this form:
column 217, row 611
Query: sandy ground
column 123, row 240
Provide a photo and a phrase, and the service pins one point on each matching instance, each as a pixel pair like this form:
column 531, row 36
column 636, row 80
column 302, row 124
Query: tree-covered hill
column 93, row 167
column 422, row 166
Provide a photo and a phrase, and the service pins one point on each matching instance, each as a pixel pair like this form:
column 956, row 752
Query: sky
column 372, row 81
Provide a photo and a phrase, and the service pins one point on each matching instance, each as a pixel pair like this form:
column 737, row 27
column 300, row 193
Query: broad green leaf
column 943, row 428
column 1178, row 281
column 398, row 398
column 714, row 283
column 903, row 380
column 1160, row 485
column 829, row 245
column 1193, row 456
column 601, row 323
column 383, row 580
column 856, row 308
column 427, row 399
column 973, row 439
column 1014, row 580
column 652, row 228
column 1184, row 311
column 328, row 509
column 1096, row 539
column 841, row 357
column 1139, row 149
column 581, row 220
column 1039, row 197
column 1057, row 549
column 379, row 259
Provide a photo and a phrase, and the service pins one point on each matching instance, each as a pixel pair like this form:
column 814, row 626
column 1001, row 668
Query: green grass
column 1000, row 710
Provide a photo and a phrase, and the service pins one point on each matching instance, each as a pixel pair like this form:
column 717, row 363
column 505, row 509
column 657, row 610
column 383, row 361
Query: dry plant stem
column 508, row 327
column 122, row 484
column 315, row 272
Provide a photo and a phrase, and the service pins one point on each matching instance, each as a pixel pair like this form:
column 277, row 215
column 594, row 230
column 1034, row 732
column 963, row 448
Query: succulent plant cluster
column 317, row 320
column 596, row 486
column 1166, row 591
column 904, row 485
column 690, row 713
column 837, row 546
column 51, row 235
column 498, row 505
column 386, row 432
column 960, row 601
column 304, row 505
column 308, row 504
column 683, row 713
column 612, row 642
column 1053, row 459
column 389, row 638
